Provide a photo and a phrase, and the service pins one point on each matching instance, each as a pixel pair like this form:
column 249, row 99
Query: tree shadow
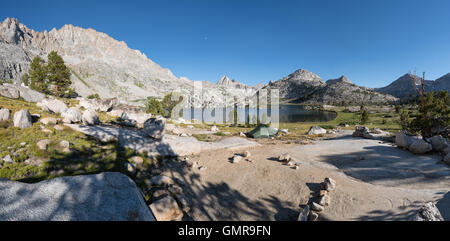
column 390, row 164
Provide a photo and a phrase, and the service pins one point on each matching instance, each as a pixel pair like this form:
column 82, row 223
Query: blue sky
column 372, row 42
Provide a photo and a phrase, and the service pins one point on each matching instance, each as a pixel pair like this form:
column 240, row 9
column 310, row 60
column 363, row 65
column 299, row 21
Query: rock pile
column 311, row 212
column 419, row 145
column 168, row 200
column 374, row 134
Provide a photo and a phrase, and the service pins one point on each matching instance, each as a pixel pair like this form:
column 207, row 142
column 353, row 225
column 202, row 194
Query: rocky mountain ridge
column 303, row 86
column 100, row 64
column 403, row 87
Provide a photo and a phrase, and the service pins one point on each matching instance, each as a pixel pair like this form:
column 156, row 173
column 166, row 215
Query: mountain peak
column 342, row 79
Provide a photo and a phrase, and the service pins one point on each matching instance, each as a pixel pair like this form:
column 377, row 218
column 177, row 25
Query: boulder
column 42, row 144
column 15, row 91
column 90, row 117
column 4, row 114
column 155, row 127
column 53, row 105
column 376, row 131
column 8, row 92
column 446, row 159
column 420, row 146
column 403, row 139
column 109, row 196
column 135, row 118
column 71, row 115
column 106, row 105
column 166, row 209
column 22, row 119
column 360, row 131
column 446, row 150
column 439, row 143
column 428, row 212
column 49, row 120
column 316, row 130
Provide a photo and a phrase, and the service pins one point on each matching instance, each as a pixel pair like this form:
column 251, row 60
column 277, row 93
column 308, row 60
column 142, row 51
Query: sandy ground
column 375, row 181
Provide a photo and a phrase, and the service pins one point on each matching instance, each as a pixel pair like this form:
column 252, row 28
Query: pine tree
column 58, row 72
column 38, row 75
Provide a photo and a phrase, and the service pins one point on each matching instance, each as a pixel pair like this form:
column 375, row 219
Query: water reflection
column 287, row 114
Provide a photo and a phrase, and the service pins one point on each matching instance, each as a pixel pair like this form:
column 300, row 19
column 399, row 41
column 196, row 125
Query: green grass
column 88, row 155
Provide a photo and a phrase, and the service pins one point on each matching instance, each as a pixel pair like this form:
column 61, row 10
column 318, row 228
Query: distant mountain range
column 403, row 87
column 103, row 65
column 303, row 86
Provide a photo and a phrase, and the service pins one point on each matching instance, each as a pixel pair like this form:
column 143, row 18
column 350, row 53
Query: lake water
column 287, row 114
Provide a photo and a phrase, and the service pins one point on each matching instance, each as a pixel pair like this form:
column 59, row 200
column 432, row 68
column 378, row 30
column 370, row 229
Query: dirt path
column 376, row 181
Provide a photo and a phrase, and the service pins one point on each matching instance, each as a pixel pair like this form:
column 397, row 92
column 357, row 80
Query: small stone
column 329, row 184
column 284, row 157
column 202, row 168
column 23, row 143
column 290, row 163
column 304, row 213
column 190, row 164
column 183, row 135
column 42, row 144
column 59, row 127
column 166, row 209
column 138, row 160
column 49, row 120
column 236, row 159
column 64, row 144
column 322, row 193
column 130, row 167
column 8, row 159
column 313, row 216
column 214, row 129
column 325, row 200
column 296, row 167
column 317, row 207
column 242, row 134
column 174, row 189
column 184, row 203
column 161, row 181
column 246, row 154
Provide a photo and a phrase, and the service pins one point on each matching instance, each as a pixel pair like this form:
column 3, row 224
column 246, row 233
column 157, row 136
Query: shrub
column 94, row 96
column 364, row 116
column 154, row 107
